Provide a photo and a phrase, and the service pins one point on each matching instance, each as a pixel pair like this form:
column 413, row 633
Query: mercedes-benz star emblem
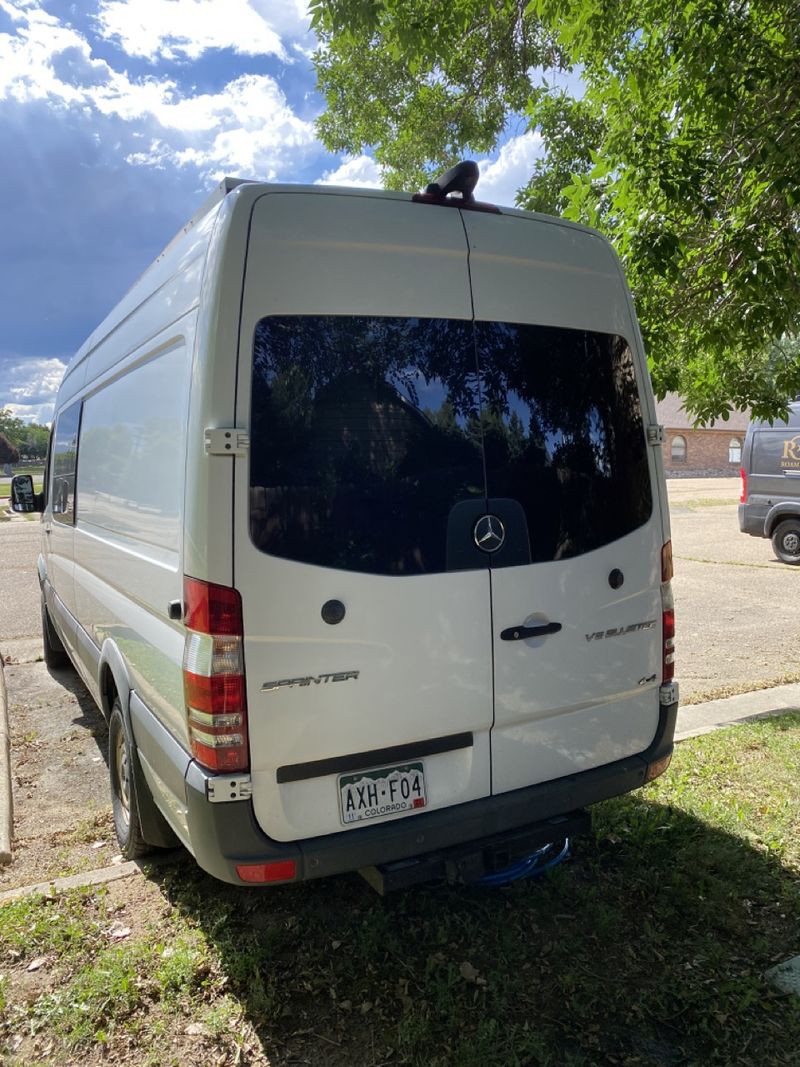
column 489, row 533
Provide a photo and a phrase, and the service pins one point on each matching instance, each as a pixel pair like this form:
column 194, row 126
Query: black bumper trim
column 358, row 761
column 224, row 835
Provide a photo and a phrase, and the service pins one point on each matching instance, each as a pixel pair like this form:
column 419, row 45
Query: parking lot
column 738, row 627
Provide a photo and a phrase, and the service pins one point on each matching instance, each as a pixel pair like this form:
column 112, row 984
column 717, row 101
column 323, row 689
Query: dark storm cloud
column 84, row 224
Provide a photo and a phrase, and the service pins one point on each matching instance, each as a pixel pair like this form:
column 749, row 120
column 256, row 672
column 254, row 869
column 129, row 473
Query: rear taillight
column 667, row 616
column 743, row 497
column 213, row 676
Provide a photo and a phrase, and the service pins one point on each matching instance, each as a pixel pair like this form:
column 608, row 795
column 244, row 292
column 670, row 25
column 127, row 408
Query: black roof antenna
column 462, row 178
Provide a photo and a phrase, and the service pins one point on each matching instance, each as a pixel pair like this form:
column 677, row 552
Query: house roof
column 672, row 415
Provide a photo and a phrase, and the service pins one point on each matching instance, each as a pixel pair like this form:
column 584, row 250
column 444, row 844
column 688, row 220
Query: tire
column 786, row 541
column 124, row 800
column 55, row 655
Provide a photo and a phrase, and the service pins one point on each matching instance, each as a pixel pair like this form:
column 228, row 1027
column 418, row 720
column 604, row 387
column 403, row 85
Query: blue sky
column 117, row 117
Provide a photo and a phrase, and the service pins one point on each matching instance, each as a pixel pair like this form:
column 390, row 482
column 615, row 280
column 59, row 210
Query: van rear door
column 367, row 637
column 576, row 584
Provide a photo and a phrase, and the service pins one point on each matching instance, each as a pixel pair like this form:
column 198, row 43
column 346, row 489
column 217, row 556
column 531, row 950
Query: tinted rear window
column 366, row 433
column 563, row 434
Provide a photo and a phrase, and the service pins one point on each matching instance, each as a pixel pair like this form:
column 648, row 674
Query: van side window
column 63, row 464
column 48, row 463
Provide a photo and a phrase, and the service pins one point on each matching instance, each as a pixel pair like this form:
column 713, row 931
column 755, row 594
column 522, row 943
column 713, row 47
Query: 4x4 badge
column 489, row 533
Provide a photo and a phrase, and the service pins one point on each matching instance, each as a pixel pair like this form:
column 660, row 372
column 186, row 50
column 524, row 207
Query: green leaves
column 424, row 83
column 681, row 143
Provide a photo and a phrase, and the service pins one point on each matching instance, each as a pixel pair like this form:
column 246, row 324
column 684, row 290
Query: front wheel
column 123, row 787
column 786, row 541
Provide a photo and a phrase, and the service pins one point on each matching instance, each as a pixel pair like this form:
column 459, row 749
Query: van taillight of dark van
column 213, row 676
column 743, row 497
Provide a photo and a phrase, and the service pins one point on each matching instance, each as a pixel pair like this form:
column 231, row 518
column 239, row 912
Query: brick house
column 717, row 447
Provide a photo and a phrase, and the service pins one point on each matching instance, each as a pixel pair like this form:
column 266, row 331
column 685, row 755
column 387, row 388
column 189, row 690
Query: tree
column 684, row 148
column 10, row 426
column 8, row 453
column 33, row 441
column 29, row 437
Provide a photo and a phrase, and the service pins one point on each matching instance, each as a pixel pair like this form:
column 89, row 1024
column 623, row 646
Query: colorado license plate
column 370, row 794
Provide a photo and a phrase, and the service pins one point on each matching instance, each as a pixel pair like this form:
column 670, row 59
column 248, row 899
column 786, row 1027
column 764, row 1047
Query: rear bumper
column 225, row 835
column 752, row 518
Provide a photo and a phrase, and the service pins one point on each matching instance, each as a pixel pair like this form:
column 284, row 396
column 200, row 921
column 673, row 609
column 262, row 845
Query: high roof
column 671, row 414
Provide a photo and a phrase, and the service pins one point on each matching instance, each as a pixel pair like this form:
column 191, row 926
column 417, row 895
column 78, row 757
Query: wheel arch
column 114, row 680
column 786, row 509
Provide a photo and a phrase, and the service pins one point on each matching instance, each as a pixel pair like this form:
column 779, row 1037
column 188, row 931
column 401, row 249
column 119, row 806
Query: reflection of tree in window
column 367, row 431
column 64, row 460
column 346, row 469
column 582, row 478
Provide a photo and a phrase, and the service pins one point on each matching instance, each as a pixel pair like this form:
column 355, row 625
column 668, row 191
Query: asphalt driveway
column 737, row 623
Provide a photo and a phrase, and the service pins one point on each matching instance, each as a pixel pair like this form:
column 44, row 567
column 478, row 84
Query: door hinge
column 223, row 788
column 226, row 441
column 655, row 434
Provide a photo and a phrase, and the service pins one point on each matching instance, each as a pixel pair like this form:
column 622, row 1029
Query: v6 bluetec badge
column 618, row 631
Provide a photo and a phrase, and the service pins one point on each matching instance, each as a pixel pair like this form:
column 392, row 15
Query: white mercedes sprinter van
column 355, row 527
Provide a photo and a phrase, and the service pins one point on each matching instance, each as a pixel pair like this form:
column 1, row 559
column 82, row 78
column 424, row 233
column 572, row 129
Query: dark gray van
column 770, row 501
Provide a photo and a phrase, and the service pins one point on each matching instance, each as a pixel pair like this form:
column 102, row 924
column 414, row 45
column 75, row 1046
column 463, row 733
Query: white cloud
column 358, row 171
column 289, row 18
column 26, row 70
column 28, row 387
column 247, row 128
column 168, row 29
column 500, row 179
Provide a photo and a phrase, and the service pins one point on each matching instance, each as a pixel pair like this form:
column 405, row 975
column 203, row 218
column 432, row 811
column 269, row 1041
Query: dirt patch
column 62, row 809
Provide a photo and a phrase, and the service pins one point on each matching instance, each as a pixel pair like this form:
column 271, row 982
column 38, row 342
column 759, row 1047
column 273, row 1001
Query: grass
column 704, row 502
column 648, row 948
column 736, row 563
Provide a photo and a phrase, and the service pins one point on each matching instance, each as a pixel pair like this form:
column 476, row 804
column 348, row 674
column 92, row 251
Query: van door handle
column 519, row 633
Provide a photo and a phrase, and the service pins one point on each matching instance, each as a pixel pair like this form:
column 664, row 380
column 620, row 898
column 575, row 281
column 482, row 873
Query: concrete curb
column 72, row 881
column 6, row 794
column 99, row 876
column 696, row 719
